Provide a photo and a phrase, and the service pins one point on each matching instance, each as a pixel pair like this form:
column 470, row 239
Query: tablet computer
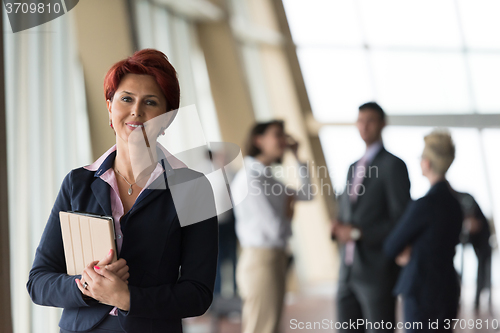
column 86, row 237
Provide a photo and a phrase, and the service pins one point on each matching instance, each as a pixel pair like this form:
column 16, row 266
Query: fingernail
column 109, row 253
column 76, row 280
column 97, row 267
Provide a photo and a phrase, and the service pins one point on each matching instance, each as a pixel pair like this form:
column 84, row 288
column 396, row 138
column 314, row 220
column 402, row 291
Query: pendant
column 130, row 190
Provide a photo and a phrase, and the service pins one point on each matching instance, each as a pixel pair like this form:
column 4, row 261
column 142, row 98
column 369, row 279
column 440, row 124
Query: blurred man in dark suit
column 376, row 194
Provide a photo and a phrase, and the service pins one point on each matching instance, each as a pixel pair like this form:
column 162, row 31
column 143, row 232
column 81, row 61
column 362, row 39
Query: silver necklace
column 125, row 179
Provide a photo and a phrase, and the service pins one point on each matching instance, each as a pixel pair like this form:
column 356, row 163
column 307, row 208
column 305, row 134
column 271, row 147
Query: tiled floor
column 316, row 304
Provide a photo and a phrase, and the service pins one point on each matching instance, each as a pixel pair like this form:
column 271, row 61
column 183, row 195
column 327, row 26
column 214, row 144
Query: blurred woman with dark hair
column 263, row 226
column 424, row 243
column 166, row 270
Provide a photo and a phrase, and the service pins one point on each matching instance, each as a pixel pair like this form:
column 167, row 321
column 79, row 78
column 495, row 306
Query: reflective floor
column 316, row 305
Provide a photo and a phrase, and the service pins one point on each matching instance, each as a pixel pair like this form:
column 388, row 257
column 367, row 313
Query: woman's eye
column 126, row 99
column 150, row 102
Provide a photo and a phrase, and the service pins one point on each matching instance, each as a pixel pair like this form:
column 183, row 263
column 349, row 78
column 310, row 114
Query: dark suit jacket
column 172, row 268
column 376, row 212
column 432, row 226
column 480, row 240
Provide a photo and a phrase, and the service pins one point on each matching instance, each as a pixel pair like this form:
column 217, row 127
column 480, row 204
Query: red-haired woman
column 166, row 267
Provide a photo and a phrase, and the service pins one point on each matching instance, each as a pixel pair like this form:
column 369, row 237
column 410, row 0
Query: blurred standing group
column 380, row 229
column 389, row 244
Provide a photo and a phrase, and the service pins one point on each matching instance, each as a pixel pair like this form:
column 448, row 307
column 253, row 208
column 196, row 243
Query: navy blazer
column 172, row 268
column 432, row 226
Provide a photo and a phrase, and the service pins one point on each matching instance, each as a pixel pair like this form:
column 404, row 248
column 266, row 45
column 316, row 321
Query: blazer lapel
column 147, row 195
column 156, row 188
column 101, row 191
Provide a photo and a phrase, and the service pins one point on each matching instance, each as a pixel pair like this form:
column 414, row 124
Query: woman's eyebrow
column 128, row 92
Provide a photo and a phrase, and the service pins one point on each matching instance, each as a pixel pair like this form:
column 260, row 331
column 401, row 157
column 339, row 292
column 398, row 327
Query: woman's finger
column 123, row 276
column 88, row 280
column 117, row 265
column 92, row 264
column 91, row 272
column 86, row 277
column 90, row 275
column 107, row 259
column 82, row 289
column 122, row 271
column 103, row 272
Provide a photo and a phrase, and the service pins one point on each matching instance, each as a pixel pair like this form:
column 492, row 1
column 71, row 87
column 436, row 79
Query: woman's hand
column 404, row 257
column 119, row 267
column 341, row 231
column 105, row 286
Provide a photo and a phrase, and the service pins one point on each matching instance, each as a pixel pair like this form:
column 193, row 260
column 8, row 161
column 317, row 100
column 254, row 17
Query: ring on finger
column 85, row 285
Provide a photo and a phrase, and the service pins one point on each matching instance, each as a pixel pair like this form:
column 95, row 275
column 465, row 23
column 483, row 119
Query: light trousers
column 261, row 278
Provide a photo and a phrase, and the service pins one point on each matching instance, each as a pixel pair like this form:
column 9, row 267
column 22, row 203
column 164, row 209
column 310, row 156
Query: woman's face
column 137, row 99
column 273, row 142
column 425, row 165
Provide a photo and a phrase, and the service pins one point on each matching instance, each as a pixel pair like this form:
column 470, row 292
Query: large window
column 417, row 58
column 414, row 57
column 168, row 28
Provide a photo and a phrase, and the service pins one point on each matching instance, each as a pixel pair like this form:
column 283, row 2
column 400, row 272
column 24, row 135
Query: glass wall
column 422, row 58
column 413, row 57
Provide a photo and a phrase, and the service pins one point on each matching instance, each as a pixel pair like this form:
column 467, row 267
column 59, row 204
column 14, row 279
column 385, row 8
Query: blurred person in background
column 424, row 243
column 376, row 195
column 263, row 226
column 227, row 234
column 476, row 231
column 227, row 252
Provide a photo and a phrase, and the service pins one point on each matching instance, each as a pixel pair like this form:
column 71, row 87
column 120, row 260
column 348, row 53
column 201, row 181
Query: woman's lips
column 134, row 125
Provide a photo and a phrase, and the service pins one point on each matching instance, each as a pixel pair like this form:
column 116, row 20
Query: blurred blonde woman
column 424, row 243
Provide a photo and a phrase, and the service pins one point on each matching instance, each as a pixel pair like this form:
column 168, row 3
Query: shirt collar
column 253, row 161
column 105, row 161
column 256, row 167
column 372, row 151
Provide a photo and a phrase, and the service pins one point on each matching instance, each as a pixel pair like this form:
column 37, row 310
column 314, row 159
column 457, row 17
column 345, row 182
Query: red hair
column 150, row 62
